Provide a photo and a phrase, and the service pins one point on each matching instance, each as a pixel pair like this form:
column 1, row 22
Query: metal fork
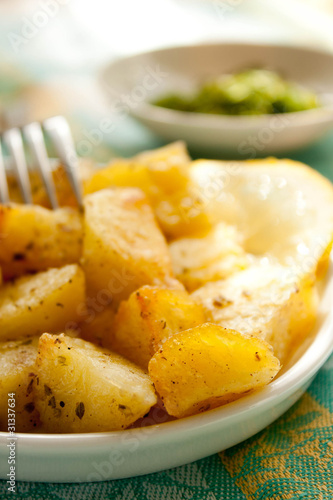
column 58, row 130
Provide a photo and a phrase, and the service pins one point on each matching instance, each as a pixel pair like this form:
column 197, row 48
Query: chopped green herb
column 252, row 92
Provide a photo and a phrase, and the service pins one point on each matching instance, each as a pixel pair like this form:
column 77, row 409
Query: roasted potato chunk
column 17, row 362
column 96, row 326
column 33, row 304
column 183, row 214
column 79, row 387
column 123, row 248
column 35, row 239
column 174, row 153
column 148, row 318
column 166, row 163
column 164, row 176
column 208, row 366
column 269, row 302
column 65, row 194
column 209, row 258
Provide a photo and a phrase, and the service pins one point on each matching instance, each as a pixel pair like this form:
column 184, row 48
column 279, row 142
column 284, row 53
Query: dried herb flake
column 80, row 410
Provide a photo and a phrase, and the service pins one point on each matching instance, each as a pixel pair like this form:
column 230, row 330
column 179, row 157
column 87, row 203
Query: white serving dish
column 114, row 455
column 133, row 82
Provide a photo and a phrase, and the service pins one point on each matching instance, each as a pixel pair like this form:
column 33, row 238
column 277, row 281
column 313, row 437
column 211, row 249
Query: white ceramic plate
column 135, row 81
column 113, row 455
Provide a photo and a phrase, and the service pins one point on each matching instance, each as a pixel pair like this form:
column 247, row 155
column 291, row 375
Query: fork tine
column 34, row 136
column 4, row 195
column 58, row 129
column 14, row 143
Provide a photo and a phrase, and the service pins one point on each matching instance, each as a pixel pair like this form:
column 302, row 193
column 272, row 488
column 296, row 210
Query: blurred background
column 52, row 52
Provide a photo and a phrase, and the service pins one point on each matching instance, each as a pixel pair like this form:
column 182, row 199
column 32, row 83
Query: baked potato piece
column 176, row 199
column 49, row 300
column 208, row 366
column 209, row 258
column 96, row 324
column 148, row 318
column 174, row 153
column 123, row 248
column 79, row 387
column 17, row 363
column 267, row 301
column 65, row 194
column 164, row 176
column 139, row 171
column 35, row 238
column 182, row 214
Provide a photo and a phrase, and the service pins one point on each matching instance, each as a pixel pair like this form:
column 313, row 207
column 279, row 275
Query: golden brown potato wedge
column 164, row 176
column 209, row 258
column 96, row 324
column 139, row 171
column 267, row 301
column 208, row 366
column 123, row 247
column 150, row 316
column 182, row 214
column 48, row 300
column 65, row 193
column 174, row 153
column 79, row 387
column 17, row 362
column 35, row 238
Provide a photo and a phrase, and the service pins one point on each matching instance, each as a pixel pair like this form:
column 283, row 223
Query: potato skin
column 17, row 361
column 79, row 387
column 35, row 238
column 123, row 247
column 49, row 300
column 148, row 318
column 207, row 366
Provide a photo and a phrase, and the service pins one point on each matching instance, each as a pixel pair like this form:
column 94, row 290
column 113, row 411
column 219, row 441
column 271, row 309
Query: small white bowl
column 134, row 82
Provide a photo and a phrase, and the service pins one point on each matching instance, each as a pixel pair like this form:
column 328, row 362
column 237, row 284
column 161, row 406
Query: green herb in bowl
column 251, row 92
